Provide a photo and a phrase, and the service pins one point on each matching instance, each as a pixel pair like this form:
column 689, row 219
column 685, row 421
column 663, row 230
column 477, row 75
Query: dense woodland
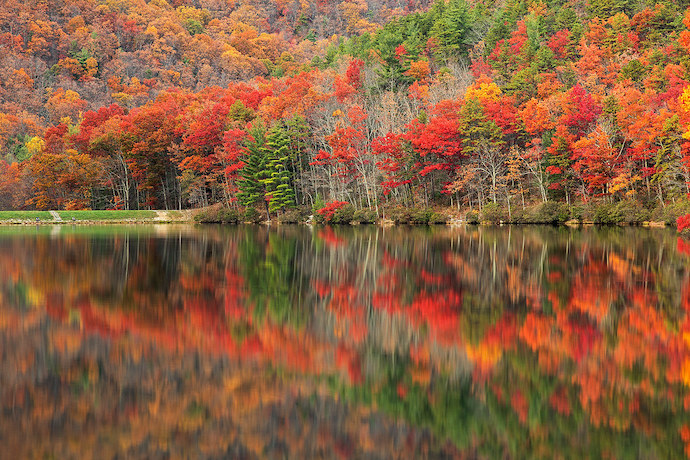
column 123, row 104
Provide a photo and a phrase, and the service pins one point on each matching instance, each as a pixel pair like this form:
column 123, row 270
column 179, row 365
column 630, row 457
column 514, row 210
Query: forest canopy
column 123, row 104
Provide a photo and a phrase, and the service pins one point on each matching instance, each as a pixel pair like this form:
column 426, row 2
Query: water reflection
column 339, row 343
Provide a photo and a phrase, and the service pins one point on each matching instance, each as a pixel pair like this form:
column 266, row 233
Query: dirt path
column 56, row 216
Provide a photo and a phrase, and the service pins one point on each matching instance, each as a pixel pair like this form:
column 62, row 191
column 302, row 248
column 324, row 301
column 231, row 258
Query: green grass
column 96, row 216
column 25, row 215
column 107, row 215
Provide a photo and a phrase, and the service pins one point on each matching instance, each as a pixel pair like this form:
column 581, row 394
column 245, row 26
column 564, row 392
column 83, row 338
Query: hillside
column 459, row 104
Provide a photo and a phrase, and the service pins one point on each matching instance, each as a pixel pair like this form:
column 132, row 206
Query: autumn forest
column 282, row 105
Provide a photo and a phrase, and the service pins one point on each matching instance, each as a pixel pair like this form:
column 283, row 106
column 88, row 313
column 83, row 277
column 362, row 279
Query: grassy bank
column 90, row 216
column 25, row 215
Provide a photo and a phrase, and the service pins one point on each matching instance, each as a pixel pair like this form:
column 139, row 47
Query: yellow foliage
column 685, row 372
column 188, row 12
column 684, row 107
column 483, row 90
column 123, row 99
column 35, row 145
column 160, row 3
column 91, row 67
column 684, row 100
column 151, row 30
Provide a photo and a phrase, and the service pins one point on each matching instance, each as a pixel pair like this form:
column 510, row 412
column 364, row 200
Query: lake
column 365, row 342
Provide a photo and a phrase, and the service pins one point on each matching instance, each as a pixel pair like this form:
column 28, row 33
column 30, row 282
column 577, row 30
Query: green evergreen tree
column 452, row 28
column 298, row 132
column 277, row 177
column 604, row 9
column 252, row 189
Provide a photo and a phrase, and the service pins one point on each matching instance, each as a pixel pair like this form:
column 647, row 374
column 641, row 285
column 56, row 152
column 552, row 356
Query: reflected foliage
column 344, row 342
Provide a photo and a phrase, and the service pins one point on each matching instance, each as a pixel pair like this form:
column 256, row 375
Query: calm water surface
column 190, row 342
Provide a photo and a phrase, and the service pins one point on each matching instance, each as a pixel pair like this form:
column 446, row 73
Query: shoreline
column 381, row 223
column 153, row 217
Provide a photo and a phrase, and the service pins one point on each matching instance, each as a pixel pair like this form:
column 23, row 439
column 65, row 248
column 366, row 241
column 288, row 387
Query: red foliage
column 330, row 209
column 354, row 73
column 683, row 222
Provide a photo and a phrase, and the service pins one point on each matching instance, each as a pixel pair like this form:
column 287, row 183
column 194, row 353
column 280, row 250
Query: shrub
column 217, row 215
column 336, row 212
column 202, row 216
column 627, row 211
column 493, row 213
column 607, row 214
column 344, row 215
column 366, row 216
column 520, row 216
column 632, row 212
column 581, row 213
column 550, row 212
column 399, row 215
column 252, row 215
column 416, row 216
column 437, row 218
column 472, row 217
column 294, row 216
column 228, row 216
column 670, row 213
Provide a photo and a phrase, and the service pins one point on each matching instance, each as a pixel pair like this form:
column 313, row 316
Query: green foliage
column 252, row 189
column 295, row 216
column 634, row 70
column 239, row 112
column 277, row 177
column 493, row 213
column 472, row 217
column 632, row 212
column 217, row 215
column 606, row 214
column 550, row 212
column 343, row 216
column 438, row 218
column 319, row 203
column 604, row 9
column 193, row 26
column 628, row 212
column 251, row 215
column 451, row 29
column 366, row 216
column 582, row 213
column 670, row 213
column 416, row 216
column 266, row 175
column 444, row 30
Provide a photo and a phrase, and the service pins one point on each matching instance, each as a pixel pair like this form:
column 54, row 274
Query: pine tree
column 278, row 178
column 452, row 28
column 298, row 131
column 252, row 189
